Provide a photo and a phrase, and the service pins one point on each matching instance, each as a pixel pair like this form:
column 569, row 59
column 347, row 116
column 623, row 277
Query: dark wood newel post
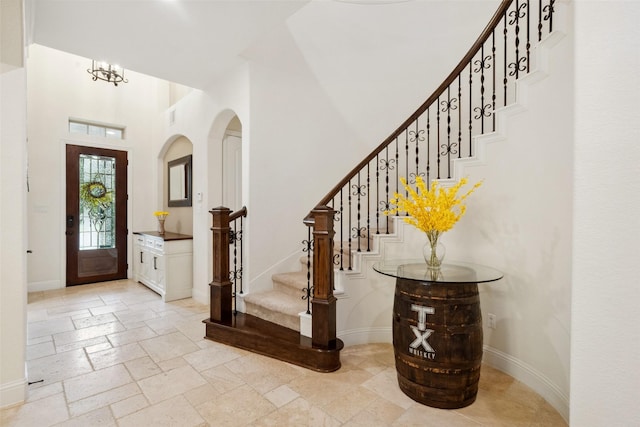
column 323, row 326
column 220, row 287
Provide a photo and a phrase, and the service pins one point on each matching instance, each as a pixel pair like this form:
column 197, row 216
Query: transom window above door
column 96, row 129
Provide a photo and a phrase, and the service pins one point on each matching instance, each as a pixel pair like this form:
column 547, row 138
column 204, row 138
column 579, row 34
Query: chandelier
column 107, row 72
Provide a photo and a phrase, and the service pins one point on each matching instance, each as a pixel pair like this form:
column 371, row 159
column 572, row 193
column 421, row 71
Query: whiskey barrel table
column 437, row 330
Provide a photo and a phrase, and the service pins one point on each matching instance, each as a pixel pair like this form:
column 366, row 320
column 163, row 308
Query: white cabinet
column 164, row 263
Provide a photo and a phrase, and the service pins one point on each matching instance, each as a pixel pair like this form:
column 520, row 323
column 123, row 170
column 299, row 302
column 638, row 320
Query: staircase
column 432, row 143
column 284, row 303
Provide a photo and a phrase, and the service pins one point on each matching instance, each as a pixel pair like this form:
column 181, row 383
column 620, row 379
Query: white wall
column 59, row 87
column 300, row 147
column 13, row 295
column 13, row 275
column 520, row 222
column 605, row 337
column 376, row 63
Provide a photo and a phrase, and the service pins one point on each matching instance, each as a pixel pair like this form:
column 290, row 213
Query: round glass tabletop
column 454, row 272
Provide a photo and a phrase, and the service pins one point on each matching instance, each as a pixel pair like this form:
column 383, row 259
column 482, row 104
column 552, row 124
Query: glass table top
column 454, row 272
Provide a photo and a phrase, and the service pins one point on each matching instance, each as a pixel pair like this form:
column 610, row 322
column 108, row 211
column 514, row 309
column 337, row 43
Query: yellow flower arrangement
column 161, row 214
column 433, row 210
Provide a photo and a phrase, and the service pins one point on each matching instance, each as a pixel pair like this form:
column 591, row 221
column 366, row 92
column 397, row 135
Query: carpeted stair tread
column 277, row 307
column 291, row 283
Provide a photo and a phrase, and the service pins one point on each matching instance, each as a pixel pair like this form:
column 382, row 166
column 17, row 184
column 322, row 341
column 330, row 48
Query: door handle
column 68, row 233
column 141, row 260
column 155, row 267
column 70, row 221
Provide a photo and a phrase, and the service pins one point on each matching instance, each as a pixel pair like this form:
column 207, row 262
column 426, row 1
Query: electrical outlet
column 491, row 320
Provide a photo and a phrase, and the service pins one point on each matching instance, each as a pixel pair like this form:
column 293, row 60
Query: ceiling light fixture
column 107, row 72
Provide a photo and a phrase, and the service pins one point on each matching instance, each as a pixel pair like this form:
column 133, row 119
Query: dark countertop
column 167, row 236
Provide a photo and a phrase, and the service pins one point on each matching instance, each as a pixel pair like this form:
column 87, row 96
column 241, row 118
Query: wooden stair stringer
column 269, row 339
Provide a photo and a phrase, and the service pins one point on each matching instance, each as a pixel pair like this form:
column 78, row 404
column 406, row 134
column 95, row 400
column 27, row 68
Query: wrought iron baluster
column 235, row 243
column 337, row 256
column 341, row 231
column 406, row 157
column 417, row 136
column 448, row 148
column 484, row 110
column 493, row 84
column 241, row 255
column 548, row 10
column 234, row 272
column 517, row 14
column 482, row 88
column 358, row 231
column 368, row 190
column 470, row 106
column 377, row 193
column 428, row 148
column 460, row 115
column 505, row 31
column 418, row 139
column 438, row 144
column 516, row 20
column 349, row 229
column 386, row 165
column 539, row 20
column 528, row 34
column 397, row 167
column 308, row 248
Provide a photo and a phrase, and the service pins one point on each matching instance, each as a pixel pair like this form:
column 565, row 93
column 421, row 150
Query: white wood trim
column 529, row 376
column 366, row 335
column 13, row 392
column 45, row 285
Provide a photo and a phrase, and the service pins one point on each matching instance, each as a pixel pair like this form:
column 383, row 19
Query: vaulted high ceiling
column 188, row 42
column 193, row 42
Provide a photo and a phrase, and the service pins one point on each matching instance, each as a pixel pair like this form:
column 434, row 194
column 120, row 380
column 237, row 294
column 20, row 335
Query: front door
column 96, row 217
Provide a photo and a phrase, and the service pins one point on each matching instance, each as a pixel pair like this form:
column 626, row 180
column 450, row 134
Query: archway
column 224, row 176
column 180, row 219
column 232, row 165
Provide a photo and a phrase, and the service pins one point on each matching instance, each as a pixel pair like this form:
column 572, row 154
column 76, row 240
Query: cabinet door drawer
column 158, row 245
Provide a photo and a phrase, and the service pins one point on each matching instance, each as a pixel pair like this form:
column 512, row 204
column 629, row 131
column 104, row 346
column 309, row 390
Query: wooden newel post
column 220, row 288
column 323, row 326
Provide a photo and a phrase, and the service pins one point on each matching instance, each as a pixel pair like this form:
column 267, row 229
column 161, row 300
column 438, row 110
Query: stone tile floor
column 113, row 354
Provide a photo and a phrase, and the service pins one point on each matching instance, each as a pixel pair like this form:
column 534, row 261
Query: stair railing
column 441, row 130
column 227, row 231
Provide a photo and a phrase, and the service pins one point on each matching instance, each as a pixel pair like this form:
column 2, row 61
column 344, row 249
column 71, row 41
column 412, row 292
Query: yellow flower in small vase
column 161, row 215
column 433, row 210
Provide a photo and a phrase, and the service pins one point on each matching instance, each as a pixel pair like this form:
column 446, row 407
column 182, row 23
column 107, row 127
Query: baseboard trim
column 13, row 393
column 366, row 335
column 46, row 285
column 530, row 377
column 199, row 295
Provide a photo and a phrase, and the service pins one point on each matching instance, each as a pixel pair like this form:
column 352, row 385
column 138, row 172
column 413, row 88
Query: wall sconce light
column 107, row 72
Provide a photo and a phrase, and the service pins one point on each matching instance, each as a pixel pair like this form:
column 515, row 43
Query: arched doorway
column 232, row 165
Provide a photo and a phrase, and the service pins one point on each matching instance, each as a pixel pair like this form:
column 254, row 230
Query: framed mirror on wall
column 179, row 172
